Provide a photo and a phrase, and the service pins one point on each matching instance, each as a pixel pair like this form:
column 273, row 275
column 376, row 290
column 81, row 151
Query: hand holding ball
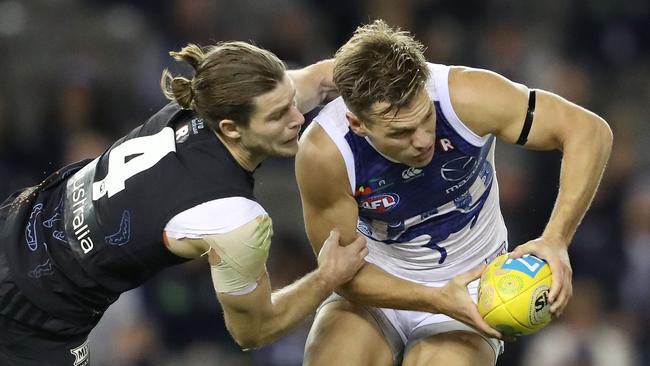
column 513, row 295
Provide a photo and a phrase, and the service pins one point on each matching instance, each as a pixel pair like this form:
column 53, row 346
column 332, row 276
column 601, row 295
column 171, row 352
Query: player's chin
column 420, row 163
column 286, row 150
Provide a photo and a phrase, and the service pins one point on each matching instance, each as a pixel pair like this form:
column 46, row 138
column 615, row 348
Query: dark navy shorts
column 21, row 345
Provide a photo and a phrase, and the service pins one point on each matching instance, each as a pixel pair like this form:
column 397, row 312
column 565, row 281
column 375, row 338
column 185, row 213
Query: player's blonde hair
column 227, row 76
column 379, row 64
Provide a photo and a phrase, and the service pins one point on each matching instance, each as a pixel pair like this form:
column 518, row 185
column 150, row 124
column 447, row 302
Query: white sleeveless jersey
column 424, row 224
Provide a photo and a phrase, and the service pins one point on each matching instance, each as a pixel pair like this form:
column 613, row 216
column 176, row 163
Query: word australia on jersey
column 95, row 229
column 429, row 223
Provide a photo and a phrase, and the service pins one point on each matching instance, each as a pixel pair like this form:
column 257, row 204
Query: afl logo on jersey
column 457, row 169
column 380, row 203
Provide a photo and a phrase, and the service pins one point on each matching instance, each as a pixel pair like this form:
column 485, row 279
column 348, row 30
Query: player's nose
column 297, row 119
column 422, row 139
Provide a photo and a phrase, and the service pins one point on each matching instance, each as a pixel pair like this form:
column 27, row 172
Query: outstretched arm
column 254, row 314
column 263, row 316
column 489, row 103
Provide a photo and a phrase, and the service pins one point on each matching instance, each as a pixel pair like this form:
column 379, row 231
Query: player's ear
column 229, row 128
column 355, row 124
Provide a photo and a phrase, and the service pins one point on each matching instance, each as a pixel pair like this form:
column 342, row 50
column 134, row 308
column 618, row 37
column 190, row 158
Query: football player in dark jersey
column 178, row 187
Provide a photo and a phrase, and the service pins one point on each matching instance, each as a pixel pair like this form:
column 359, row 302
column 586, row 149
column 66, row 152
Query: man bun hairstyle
column 227, row 77
column 179, row 89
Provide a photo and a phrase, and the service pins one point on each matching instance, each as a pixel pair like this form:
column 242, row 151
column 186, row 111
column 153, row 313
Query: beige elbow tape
column 243, row 253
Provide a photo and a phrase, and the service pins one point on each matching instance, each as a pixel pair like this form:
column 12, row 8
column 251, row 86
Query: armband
column 528, row 121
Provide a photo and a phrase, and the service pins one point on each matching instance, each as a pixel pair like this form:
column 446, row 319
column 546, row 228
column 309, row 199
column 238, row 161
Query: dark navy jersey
column 95, row 229
column 403, row 198
column 426, row 223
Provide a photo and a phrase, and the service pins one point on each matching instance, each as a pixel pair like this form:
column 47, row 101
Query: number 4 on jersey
column 148, row 150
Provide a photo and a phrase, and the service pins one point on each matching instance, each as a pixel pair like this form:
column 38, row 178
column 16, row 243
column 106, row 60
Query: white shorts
column 402, row 329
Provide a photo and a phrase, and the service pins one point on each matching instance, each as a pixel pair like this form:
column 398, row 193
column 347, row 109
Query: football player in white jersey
column 406, row 158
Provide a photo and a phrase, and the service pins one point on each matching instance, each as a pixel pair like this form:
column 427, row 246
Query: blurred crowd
column 76, row 75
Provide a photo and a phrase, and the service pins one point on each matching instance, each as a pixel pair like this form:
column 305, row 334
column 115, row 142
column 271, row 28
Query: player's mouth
column 426, row 154
column 291, row 141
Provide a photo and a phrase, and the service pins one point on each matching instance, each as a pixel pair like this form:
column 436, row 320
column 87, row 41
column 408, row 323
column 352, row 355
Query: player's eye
column 400, row 134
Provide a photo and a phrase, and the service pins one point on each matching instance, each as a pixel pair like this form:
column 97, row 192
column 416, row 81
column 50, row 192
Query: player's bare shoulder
column 315, row 146
column 319, row 163
column 470, row 88
column 483, row 99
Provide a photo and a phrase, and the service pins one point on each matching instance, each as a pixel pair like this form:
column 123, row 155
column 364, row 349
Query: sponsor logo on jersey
column 182, row 133
column 412, row 173
column 197, row 124
column 364, row 228
column 379, row 184
column 378, row 181
column 457, row 169
column 380, row 203
column 363, row 191
column 81, row 354
column 79, row 225
column 374, row 185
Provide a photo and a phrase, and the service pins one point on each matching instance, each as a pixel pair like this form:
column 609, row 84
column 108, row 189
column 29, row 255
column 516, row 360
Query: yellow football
column 513, row 295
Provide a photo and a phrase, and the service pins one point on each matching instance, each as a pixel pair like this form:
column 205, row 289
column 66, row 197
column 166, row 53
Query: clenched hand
column 337, row 264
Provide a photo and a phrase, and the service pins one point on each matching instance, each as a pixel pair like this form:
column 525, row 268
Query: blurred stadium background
column 78, row 74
